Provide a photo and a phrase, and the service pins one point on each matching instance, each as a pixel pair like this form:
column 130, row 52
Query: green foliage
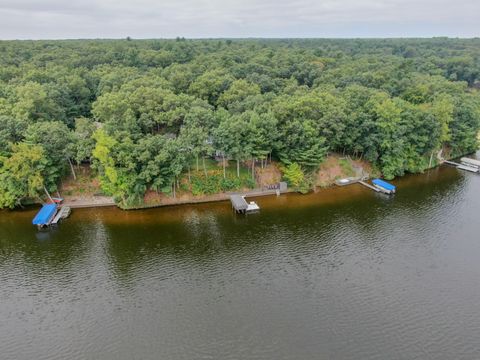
column 346, row 167
column 216, row 183
column 296, row 178
column 84, row 143
column 238, row 92
column 57, row 141
column 146, row 112
column 21, row 174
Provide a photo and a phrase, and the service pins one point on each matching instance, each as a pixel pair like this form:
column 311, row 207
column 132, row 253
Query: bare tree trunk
column 204, row 167
column 224, row 172
column 197, row 162
column 430, row 163
column 238, row 168
column 253, row 169
column 73, row 170
column 189, row 177
column 48, row 194
column 174, row 194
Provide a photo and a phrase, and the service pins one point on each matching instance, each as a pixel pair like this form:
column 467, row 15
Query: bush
column 295, row 177
column 216, row 183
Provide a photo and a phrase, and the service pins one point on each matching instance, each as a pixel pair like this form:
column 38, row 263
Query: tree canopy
column 142, row 111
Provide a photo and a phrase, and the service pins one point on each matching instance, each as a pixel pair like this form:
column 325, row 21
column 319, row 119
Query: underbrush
column 215, row 183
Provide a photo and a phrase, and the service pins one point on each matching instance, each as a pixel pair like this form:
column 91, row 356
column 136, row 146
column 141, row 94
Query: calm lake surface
column 341, row 274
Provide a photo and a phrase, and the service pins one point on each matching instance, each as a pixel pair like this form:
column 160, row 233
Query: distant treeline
column 142, row 111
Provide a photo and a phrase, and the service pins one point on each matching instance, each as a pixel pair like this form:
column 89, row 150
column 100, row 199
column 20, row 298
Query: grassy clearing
column 347, row 167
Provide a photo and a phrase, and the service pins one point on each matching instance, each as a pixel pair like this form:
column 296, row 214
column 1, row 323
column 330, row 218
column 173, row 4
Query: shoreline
column 105, row 201
column 108, row 201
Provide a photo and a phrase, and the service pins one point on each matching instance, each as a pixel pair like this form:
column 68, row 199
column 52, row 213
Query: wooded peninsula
column 144, row 120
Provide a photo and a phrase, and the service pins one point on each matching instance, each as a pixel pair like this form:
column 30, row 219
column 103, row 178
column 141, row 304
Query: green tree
column 210, row 85
column 21, row 174
column 238, row 92
column 83, row 139
column 58, row 142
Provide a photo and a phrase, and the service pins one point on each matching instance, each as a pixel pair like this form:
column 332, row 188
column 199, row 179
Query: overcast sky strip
column 58, row 19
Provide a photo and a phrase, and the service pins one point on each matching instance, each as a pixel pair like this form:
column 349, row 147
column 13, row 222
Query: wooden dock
column 467, row 166
column 451, row 163
column 241, row 206
column 374, row 188
column 63, row 213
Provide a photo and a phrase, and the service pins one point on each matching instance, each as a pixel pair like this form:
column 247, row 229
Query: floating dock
column 63, row 213
column 468, row 168
column 241, row 206
column 369, row 186
column 467, row 164
column 470, row 162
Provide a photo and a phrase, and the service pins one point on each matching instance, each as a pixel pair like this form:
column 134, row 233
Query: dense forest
column 146, row 113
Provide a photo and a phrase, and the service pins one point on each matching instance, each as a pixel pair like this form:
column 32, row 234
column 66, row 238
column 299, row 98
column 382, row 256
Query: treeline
column 144, row 112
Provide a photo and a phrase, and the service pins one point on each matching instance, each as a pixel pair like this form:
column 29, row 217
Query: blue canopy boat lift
column 45, row 216
column 380, row 186
column 50, row 215
column 384, row 186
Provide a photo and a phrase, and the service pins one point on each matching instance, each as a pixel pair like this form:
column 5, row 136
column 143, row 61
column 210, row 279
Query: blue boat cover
column 45, row 214
column 384, row 184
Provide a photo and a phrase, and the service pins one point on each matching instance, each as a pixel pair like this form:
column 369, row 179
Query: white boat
column 252, row 206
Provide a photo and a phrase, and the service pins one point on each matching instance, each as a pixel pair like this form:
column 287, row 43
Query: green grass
column 346, row 167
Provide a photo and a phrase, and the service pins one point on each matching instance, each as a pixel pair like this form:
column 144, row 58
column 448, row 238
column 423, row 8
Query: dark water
column 341, row 274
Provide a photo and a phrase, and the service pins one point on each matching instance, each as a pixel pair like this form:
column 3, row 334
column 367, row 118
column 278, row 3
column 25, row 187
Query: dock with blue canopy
column 45, row 216
column 384, row 186
column 379, row 186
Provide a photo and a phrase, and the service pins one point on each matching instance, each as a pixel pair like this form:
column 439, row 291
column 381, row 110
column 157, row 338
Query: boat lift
column 50, row 215
column 380, row 186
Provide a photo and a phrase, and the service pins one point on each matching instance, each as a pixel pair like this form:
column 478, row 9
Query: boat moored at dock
column 347, row 181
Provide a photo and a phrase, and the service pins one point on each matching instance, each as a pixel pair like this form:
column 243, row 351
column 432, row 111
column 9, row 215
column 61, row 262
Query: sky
column 60, row 19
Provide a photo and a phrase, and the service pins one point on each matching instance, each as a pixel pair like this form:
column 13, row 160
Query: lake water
column 345, row 273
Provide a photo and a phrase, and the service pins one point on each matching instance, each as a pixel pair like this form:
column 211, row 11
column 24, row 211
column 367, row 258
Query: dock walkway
column 63, row 213
column 241, row 206
column 467, row 165
column 369, row 186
